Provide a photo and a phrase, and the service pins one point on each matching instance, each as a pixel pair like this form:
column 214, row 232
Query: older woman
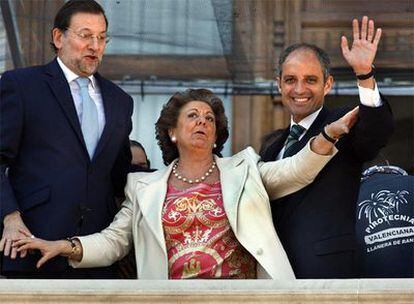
column 203, row 216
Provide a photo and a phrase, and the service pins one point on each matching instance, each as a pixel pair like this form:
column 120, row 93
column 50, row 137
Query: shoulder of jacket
column 269, row 140
column 336, row 113
column 141, row 178
column 272, row 136
column 23, row 73
column 115, row 87
column 246, row 154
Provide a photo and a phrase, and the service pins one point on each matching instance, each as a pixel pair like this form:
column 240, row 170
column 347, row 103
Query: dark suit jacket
column 316, row 224
column 46, row 172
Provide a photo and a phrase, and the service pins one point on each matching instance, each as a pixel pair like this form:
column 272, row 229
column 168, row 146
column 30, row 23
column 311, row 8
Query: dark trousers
column 107, row 273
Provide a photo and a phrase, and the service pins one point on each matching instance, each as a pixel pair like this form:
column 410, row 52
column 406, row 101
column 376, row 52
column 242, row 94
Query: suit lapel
column 233, row 174
column 274, row 148
column 314, row 130
column 316, row 126
column 60, row 88
column 111, row 113
column 151, row 200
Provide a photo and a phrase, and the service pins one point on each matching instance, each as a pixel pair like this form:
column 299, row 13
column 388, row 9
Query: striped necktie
column 295, row 132
column 89, row 123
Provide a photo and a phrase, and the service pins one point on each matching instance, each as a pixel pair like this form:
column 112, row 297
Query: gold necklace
column 190, row 181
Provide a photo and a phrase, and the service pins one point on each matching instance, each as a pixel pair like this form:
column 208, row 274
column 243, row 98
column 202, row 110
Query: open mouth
column 90, row 57
column 200, row 132
column 301, row 99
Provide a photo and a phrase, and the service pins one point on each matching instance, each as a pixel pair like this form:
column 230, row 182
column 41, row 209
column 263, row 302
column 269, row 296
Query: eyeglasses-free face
column 302, row 84
column 82, row 44
column 196, row 127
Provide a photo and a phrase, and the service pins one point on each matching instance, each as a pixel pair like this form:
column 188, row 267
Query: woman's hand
column 342, row 126
column 335, row 130
column 48, row 249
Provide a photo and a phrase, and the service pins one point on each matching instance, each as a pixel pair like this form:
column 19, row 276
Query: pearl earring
column 215, row 145
column 173, row 139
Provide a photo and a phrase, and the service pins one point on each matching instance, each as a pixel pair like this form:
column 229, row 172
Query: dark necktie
column 295, row 132
column 89, row 123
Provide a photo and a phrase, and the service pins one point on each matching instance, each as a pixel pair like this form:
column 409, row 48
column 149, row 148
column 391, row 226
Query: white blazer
column 246, row 182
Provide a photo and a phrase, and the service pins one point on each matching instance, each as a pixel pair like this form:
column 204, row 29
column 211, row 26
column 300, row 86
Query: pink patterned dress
column 200, row 242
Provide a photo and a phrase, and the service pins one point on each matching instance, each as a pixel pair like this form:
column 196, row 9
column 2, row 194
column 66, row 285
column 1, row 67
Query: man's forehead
column 302, row 56
column 305, row 55
column 83, row 20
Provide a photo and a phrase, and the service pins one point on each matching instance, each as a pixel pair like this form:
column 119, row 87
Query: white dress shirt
column 94, row 92
column 368, row 97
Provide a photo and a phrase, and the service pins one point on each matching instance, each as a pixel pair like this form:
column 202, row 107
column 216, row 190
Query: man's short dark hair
column 72, row 7
column 319, row 53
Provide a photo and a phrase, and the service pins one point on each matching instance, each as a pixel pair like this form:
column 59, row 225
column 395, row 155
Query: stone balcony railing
column 378, row 291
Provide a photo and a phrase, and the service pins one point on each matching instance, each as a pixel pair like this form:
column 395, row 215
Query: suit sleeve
column 285, row 176
column 371, row 133
column 11, row 127
column 123, row 161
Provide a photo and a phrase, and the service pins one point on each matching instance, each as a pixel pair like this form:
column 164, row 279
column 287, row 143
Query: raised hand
column 364, row 47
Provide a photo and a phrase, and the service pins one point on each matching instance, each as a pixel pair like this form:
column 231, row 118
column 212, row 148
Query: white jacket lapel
column 233, row 174
column 151, row 199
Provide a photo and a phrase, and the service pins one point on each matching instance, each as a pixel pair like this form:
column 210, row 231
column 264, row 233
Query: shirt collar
column 307, row 121
column 71, row 76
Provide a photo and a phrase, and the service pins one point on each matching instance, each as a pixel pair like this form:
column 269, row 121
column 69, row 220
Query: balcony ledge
column 396, row 291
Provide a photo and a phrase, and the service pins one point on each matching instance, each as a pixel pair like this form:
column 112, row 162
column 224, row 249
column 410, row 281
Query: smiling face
column 302, row 84
column 81, row 56
column 196, row 127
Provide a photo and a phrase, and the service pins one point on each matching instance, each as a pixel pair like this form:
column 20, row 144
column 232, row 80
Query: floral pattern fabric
column 200, row 242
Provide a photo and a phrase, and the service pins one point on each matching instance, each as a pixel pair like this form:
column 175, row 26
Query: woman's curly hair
column 169, row 117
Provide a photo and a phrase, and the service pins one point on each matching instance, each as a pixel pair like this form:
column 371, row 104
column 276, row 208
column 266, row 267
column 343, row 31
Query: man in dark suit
column 64, row 144
column 316, row 224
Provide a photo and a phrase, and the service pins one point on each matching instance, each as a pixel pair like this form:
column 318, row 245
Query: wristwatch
column 75, row 248
column 327, row 137
column 366, row 76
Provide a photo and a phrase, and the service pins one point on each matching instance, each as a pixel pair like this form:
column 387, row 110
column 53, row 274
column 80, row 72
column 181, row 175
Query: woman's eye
column 210, row 118
column 192, row 115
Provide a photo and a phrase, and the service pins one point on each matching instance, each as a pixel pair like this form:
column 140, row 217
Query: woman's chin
column 202, row 146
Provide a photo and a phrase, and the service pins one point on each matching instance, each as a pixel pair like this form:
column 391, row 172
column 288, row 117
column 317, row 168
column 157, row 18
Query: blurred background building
column 230, row 46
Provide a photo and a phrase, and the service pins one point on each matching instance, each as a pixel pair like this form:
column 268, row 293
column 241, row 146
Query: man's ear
column 57, row 38
column 328, row 85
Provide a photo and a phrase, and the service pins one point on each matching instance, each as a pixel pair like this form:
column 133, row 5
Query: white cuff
column 370, row 97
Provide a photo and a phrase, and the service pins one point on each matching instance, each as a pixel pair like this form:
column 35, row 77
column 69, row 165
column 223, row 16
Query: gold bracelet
column 75, row 248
